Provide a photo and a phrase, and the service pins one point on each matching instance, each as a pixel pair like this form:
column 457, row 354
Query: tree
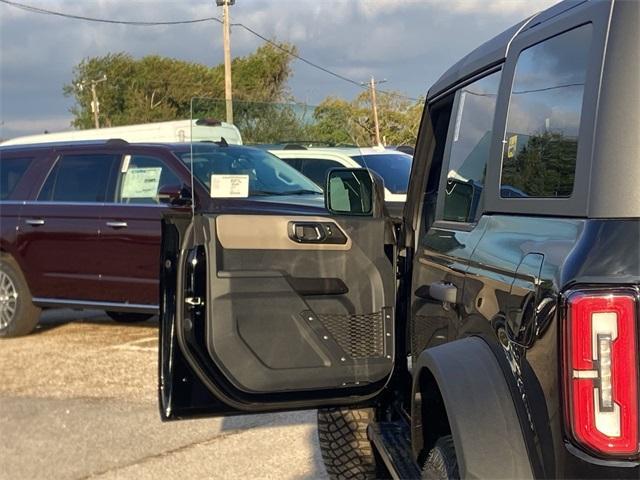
column 339, row 121
column 155, row 88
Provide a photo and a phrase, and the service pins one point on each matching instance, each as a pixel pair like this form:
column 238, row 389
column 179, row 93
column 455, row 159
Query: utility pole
column 374, row 107
column 226, row 42
column 95, row 104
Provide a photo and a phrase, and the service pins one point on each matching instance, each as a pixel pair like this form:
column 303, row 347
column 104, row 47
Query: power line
column 44, row 11
column 337, row 75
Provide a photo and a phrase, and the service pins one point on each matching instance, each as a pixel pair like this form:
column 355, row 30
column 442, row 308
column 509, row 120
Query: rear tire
column 18, row 315
column 346, row 451
column 128, row 317
column 442, row 463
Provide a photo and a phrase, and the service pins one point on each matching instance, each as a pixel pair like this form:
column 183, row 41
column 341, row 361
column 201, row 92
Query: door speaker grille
column 360, row 336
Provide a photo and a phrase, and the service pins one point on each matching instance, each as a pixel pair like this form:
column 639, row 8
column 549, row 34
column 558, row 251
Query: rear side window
column 541, row 141
column 472, row 133
column 11, row 171
column 141, row 177
column 79, row 178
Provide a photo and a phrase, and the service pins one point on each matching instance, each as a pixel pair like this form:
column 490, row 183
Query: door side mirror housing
column 354, row 191
column 174, row 195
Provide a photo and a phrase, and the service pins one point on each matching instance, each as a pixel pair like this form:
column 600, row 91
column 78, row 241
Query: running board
column 392, row 440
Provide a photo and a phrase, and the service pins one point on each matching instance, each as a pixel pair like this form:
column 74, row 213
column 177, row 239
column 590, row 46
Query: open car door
column 270, row 305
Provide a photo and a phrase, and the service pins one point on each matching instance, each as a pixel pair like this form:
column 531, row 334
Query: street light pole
column 226, row 41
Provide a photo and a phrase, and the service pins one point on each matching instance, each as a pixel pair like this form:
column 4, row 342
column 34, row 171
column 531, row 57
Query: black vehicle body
column 477, row 345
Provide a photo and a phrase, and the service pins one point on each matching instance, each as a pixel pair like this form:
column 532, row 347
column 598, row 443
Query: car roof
column 318, row 153
column 351, row 151
column 116, row 142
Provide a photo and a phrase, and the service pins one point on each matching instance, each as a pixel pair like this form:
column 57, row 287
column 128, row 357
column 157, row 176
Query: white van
column 175, row 131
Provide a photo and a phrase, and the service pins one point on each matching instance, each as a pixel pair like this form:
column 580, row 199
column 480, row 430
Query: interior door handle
column 444, row 292
column 308, row 232
column 36, row 222
column 117, row 224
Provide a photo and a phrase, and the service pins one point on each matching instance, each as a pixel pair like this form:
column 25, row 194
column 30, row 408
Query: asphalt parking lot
column 78, row 400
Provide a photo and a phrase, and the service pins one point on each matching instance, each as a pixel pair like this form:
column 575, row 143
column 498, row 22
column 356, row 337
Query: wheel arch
column 480, row 412
column 8, row 254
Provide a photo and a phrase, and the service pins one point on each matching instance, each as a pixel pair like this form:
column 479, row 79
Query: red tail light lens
column 601, row 372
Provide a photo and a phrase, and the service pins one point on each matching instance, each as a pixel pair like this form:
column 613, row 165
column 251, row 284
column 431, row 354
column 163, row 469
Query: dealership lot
column 79, row 401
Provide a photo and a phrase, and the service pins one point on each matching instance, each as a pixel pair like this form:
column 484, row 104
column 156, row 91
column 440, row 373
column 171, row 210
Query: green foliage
column 341, row 122
column 155, row 88
column 543, row 166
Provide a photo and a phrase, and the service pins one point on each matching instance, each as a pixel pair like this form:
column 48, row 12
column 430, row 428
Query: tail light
column 601, row 372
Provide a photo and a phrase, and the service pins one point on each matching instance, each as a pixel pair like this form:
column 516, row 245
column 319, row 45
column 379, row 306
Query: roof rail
column 293, row 146
column 209, row 122
column 116, row 141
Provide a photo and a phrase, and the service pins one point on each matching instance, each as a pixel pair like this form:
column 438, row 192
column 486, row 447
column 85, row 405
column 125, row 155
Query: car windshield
column 268, row 175
column 394, row 168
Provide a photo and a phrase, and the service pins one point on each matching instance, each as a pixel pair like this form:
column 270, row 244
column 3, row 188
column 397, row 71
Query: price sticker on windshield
column 229, row 186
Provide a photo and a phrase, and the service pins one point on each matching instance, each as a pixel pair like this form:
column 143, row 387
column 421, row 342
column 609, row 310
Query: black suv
column 495, row 334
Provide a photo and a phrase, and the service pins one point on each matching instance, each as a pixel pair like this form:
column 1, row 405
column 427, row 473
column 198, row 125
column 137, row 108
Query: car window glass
column 141, row 177
column 541, row 141
column 472, row 131
column 79, row 178
column 394, row 168
column 11, row 171
column 266, row 173
column 440, row 115
column 316, row 169
column 292, row 162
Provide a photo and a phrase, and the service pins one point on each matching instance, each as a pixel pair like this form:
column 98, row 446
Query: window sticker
column 229, row 186
column 125, row 164
column 141, row 182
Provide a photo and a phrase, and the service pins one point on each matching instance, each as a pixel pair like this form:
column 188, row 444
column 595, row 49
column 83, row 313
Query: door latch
column 194, row 301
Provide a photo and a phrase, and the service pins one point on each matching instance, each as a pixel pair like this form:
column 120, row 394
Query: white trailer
column 163, row 132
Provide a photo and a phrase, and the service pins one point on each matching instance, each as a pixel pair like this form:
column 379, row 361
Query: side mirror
column 350, row 191
column 176, row 195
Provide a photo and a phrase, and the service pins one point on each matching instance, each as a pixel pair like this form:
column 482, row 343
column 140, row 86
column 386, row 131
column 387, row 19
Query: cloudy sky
column 407, row 42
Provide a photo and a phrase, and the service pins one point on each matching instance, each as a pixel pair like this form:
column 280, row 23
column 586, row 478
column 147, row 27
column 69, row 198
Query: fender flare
column 484, row 423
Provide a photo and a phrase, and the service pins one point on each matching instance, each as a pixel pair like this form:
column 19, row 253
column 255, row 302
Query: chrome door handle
column 34, row 221
column 117, row 224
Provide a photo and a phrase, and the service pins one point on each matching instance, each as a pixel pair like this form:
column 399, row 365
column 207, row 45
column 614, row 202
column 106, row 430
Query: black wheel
column 346, row 451
column 18, row 315
column 442, row 463
column 128, row 317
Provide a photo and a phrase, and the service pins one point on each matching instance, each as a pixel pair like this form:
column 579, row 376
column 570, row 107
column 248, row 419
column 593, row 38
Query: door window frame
column 60, row 154
column 119, row 177
column 444, row 174
column 576, row 205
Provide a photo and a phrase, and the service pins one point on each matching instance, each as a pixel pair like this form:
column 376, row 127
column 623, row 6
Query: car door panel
column 442, row 260
column 270, row 318
column 130, row 235
column 130, row 246
column 71, row 231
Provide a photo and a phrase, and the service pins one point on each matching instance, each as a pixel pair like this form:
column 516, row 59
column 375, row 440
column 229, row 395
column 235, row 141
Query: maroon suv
column 80, row 222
